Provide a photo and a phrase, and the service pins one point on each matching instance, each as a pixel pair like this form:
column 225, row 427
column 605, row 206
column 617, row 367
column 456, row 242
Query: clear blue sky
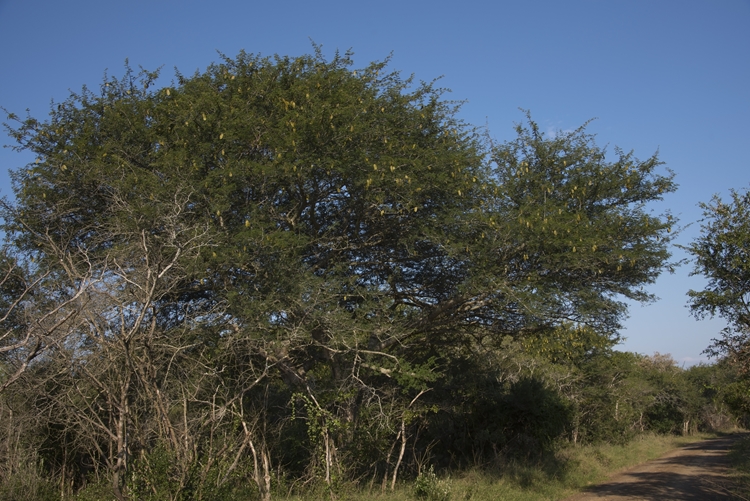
column 667, row 75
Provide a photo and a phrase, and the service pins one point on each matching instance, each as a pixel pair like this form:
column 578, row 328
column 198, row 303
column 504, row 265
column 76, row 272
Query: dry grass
column 569, row 471
column 740, row 460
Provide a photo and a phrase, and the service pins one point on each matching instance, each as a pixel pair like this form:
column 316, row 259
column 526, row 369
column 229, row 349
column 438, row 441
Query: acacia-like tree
column 722, row 255
column 282, row 261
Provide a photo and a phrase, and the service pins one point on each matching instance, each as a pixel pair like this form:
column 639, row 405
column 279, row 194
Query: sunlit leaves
column 722, row 255
column 569, row 229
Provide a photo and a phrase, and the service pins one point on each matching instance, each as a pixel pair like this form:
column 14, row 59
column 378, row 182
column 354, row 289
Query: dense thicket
column 284, row 270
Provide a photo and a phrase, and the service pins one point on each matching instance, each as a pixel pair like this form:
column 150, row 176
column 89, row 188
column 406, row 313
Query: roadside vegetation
column 740, row 458
column 288, row 277
column 556, row 476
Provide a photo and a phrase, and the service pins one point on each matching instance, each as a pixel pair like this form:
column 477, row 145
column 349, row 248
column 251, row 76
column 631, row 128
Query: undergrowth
column 739, row 458
column 554, row 477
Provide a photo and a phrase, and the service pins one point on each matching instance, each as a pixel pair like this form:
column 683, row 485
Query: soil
column 697, row 472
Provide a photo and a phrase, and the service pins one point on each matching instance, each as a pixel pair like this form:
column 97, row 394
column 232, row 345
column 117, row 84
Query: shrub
column 428, row 486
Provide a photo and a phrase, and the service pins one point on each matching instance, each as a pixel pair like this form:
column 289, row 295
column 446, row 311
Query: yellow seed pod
column 247, row 223
column 204, row 116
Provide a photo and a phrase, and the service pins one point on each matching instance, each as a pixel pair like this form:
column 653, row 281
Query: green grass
column 556, row 477
column 739, row 457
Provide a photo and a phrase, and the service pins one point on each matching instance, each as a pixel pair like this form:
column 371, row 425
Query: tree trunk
column 400, row 454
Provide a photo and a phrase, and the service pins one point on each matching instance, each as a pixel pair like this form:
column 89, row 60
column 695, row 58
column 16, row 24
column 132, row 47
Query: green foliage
column 98, row 491
column 567, row 344
column 722, row 255
column 153, row 476
column 431, row 488
column 562, row 215
column 285, row 266
column 533, row 417
column 739, row 457
column 28, row 482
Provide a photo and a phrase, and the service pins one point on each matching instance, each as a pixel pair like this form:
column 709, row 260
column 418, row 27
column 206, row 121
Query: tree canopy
column 289, row 243
column 722, row 255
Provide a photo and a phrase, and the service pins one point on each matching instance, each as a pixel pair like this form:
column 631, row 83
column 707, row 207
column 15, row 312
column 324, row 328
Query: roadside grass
column 739, row 457
column 556, row 477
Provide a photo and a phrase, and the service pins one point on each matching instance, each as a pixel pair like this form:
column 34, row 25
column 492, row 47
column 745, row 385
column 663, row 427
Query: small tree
column 722, row 255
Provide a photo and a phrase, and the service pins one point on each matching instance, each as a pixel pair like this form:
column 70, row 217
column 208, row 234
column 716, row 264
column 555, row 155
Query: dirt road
column 697, row 472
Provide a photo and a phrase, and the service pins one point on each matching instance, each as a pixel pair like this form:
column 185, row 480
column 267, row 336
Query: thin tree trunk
column 400, row 454
column 266, row 494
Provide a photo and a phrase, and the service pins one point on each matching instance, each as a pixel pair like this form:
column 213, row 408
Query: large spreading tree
column 281, row 263
column 722, row 256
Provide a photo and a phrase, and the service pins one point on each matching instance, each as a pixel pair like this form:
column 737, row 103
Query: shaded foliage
column 284, row 271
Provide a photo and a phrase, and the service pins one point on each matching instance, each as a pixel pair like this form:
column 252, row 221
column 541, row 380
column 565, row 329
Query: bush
column 428, row 486
column 28, row 483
